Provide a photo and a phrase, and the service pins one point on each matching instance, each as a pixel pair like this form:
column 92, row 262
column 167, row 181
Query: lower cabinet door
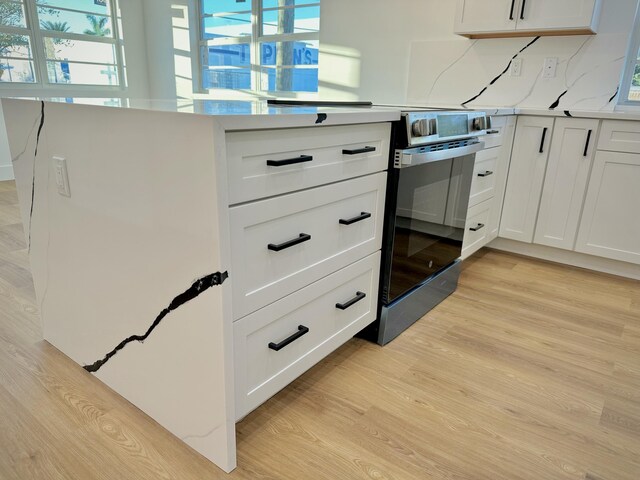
column 565, row 182
column 277, row 343
column 477, row 229
column 526, row 176
column 485, row 173
column 610, row 225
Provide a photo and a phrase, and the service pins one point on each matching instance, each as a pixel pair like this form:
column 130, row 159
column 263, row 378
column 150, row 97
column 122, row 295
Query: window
column 260, row 45
column 56, row 42
column 630, row 87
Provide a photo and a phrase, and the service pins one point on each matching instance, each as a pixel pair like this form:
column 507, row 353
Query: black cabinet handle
column 358, row 150
column 513, row 4
column 524, row 2
column 349, row 221
column 303, row 237
column 485, row 174
column 480, row 226
column 289, row 161
column 586, row 145
column 359, row 296
column 544, row 135
column 491, row 132
column 302, row 330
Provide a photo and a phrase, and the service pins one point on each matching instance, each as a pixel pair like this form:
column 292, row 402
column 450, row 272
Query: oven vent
column 436, row 147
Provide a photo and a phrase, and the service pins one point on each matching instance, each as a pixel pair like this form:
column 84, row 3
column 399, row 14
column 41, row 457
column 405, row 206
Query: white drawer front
column 261, row 371
column 477, row 229
column 498, row 125
column 262, row 275
column 620, row 136
column 484, row 176
column 250, row 177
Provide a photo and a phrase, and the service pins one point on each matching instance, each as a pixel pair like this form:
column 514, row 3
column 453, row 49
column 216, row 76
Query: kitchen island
column 145, row 231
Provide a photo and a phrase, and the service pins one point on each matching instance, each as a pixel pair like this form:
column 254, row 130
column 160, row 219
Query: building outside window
column 260, row 45
column 60, row 42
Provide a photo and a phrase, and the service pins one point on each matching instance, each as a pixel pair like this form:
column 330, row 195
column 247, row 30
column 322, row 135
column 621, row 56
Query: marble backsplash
column 475, row 73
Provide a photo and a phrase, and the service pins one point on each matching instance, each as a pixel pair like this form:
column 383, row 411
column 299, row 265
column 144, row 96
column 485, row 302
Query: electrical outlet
column 550, row 66
column 516, row 67
column 62, row 176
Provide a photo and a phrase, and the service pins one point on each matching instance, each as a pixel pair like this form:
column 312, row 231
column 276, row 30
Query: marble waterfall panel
column 129, row 271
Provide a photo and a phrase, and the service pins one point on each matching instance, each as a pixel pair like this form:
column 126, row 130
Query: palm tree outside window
column 60, row 42
column 260, row 45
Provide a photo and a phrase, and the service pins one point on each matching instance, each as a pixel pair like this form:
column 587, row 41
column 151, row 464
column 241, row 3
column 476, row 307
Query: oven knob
column 420, row 128
column 423, row 127
column 480, row 123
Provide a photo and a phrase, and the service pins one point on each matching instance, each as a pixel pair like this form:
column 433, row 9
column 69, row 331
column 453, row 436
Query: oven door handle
column 412, row 156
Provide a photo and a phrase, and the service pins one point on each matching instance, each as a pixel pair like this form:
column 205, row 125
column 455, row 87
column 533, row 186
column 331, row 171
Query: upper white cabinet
column 501, row 18
column 543, row 15
column 526, row 176
column 565, row 183
column 480, row 17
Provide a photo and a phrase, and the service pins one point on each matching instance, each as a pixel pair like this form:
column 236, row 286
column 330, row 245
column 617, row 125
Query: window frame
column 257, row 39
column 633, row 53
column 37, row 35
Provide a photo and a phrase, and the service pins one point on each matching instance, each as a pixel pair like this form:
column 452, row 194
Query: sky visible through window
column 81, row 60
column 288, row 64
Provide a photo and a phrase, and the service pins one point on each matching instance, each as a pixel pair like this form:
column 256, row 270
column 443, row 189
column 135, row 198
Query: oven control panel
column 438, row 126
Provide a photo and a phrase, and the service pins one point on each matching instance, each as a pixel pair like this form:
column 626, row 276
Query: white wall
column 6, row 170
column 448, row 70
column 365, row 46
column 133, row 20
column 405, row 52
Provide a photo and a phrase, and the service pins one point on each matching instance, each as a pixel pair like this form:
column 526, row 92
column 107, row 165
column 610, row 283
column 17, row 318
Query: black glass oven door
column 431, row 211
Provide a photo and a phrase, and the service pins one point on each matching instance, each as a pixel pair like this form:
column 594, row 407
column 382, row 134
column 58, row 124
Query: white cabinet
column 570, row 157
column 503, row 18
column 543, row 15
column 526, row 176
column 305, row 221
column 477, row 17
column 610, row 225
column 487, row 186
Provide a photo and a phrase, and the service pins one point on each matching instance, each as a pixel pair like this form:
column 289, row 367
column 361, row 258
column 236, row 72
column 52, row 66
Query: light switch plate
column 62, row 176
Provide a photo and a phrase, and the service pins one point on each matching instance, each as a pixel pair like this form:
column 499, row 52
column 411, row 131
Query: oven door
column 426, row 226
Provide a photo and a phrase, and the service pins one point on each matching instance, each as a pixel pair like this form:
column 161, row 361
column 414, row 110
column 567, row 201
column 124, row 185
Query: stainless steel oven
column 429, row 180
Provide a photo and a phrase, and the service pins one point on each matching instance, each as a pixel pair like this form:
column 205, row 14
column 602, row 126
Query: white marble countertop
column 249, row 115
column 610, row 115
column 257, row 114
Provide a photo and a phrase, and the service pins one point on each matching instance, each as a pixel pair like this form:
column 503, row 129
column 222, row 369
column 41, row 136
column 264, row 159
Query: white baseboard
column 6, row 173
column 591, row 262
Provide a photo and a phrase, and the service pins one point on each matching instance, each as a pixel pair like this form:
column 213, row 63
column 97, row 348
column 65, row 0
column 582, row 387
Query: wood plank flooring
column 531, row 370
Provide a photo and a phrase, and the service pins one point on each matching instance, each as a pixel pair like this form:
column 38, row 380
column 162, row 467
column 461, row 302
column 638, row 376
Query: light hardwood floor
column 531, row 370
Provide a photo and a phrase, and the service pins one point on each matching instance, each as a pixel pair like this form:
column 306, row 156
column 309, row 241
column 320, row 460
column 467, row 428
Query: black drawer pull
column 513, row 4
column 359, row 296
column 359, row 150
column 524, row 3
column 289, row 161
column 492, row 132
column 349, row 221
column 544, row 135
column 302, row 330
column 480, row 226
column 303, row 237
column 485, row 174
column 586, row 145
